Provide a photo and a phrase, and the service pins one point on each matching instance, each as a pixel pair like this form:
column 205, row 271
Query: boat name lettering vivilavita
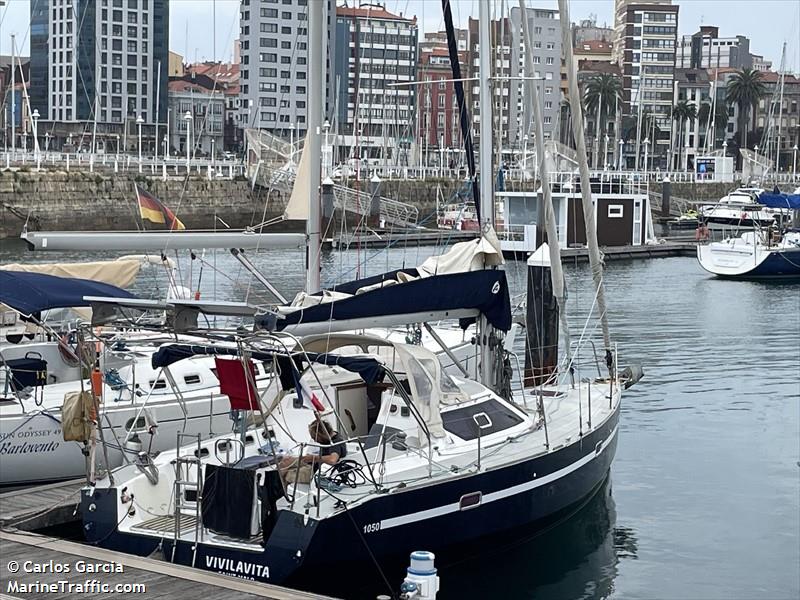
column 238, row 567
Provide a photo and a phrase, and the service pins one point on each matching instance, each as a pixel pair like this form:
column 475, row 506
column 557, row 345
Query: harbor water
column 703, row 500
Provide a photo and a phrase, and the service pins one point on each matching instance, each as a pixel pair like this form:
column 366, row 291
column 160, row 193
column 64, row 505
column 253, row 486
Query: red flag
column 233, row 382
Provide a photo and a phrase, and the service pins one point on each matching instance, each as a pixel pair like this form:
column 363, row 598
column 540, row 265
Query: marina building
column 375, row 61
column 104, row 61
column 273, row 49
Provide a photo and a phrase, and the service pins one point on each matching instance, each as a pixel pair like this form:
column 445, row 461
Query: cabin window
column 158, row 384
column 202, row 453
column 615, row 211
column 468, row 501
column 191, row 379
column 140, row 423
column 249, row 440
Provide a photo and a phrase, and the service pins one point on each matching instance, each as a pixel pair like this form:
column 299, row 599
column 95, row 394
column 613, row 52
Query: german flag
column 151, row 209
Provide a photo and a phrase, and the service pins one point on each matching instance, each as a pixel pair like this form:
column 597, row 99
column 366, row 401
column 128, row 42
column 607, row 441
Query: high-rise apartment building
column 376, row 60
column 512, row 115
column 620, row 16
column 503, row 111
column 99, row 60
column 648, row 72
column 706, row 50
column 274, row 71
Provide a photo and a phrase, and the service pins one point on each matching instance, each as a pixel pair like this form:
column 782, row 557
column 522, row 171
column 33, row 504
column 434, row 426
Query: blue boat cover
column 773, row 200
column 485, row 291
column 370, row 370
column 31, row 293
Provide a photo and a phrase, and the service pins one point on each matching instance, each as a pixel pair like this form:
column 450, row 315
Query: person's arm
column 330, row 459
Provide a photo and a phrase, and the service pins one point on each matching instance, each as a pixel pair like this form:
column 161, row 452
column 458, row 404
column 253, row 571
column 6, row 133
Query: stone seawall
column 84, row 201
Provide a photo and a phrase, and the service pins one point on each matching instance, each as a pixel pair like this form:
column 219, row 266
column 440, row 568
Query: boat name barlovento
column 27, row 448
column 237, row 567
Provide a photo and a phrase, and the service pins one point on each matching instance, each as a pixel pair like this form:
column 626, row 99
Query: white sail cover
column 297, row 207
column 473, row 255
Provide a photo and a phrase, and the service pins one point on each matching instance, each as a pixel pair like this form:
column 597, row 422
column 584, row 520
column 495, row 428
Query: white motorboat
column 740, row 209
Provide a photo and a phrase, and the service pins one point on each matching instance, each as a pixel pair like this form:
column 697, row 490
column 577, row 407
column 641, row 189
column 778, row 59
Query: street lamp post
column 212, row 152
column 116, row 158
column 327, row 154
column 605, row 154
column 291, row 141
column 619, row 157
column 35, row 118
column 166, row 146
column 188, row 118
column 524, row 154
column 646, row 151
column 725, row 148
column 794, row 160
column 139, row 121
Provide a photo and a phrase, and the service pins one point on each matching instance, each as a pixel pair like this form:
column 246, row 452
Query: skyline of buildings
column 100, row 62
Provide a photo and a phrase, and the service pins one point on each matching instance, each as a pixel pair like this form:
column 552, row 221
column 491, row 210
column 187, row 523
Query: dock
column 39, row 507
column 612, row 253
column 25, row 510
column 152, row 578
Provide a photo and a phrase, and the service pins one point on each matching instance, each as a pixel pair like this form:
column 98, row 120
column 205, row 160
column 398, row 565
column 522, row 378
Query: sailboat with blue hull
column 765, row 253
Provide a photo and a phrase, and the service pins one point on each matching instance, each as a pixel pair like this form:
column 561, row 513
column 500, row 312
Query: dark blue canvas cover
column 31, row 293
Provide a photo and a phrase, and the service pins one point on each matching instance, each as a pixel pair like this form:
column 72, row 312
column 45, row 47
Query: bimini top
column 31, row 293
column 773, row 200
column 369, row 369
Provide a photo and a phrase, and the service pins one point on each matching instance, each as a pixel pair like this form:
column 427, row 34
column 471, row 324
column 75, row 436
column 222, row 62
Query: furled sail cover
column 780, row 200
column 121, row 273
column 31, row 293
column 485, row 291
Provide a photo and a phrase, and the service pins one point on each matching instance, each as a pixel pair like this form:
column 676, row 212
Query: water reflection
column 576, row 558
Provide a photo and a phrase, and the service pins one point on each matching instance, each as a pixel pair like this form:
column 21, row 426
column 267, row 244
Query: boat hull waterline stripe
column 499, row 494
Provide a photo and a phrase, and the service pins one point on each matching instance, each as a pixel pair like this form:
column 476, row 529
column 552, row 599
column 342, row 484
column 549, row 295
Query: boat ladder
column 183, row 483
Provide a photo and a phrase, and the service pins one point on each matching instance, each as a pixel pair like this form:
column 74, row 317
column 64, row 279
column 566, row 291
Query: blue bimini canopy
column 369, row 369
column 772, row 200
column 31, row 293
column 484, row 292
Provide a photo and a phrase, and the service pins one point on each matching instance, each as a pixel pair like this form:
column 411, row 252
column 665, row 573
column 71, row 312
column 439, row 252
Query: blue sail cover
column 773, row 200
column 31, row 293
column 485, row 291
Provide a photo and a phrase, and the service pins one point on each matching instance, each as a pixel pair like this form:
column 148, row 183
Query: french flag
column 310, row 399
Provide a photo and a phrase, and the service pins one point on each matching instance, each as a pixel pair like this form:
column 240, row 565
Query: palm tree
column 684, row 111
column 745, row 89
column 602, row 92
column 720, row 119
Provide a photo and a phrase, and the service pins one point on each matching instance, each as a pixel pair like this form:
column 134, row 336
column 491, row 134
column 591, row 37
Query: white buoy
column 421, row 579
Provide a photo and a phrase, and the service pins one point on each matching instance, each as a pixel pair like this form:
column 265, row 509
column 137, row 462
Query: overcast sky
column 768, row 23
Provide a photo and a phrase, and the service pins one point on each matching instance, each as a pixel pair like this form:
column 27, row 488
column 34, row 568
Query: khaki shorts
column 301, row 475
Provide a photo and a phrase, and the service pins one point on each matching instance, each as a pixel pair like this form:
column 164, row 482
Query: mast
column 316, row 92
column 486, row 214
column 586, row 189
column 463, row 111
column 556, row 271
column 780, row 110
column 13, row 97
